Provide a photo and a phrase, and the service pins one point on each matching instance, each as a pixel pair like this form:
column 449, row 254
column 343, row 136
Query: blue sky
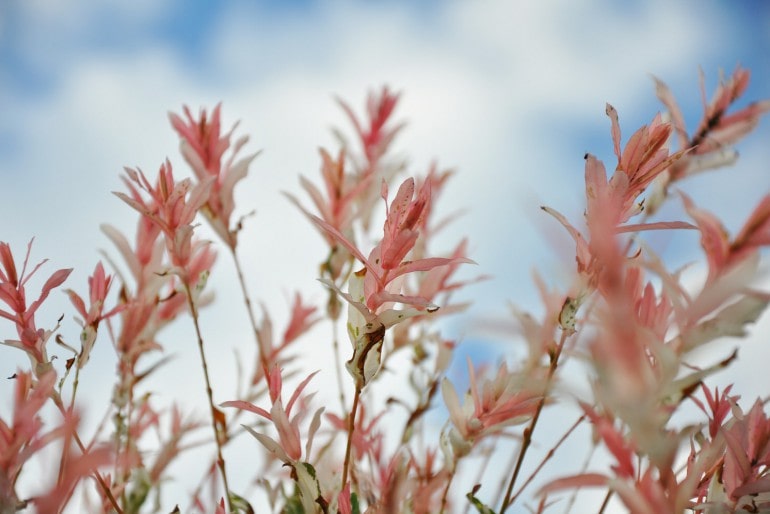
column 511, row 94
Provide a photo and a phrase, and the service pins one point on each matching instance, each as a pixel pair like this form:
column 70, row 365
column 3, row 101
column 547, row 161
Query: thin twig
column 102, row 484
column 605, row 502
column 210, row 394
column 98, row 477
column 547, row 457
column 338, row 364
column 583, row 469
column 351, row 428
column 129, row 416
column 527, row 436
column 448, row 485
column 252, row 319
column 480, row 470
column 70, row 409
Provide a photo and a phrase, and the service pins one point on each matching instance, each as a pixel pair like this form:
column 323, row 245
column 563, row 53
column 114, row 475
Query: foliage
column 623, row 314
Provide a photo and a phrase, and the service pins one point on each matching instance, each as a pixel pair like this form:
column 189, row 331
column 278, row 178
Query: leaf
column 575, row 481
column 314, row 426
column 309, row 489
column 728, row 322
column 298, row 391
column 428, row 264
column 220, row 421
column 612, row 113
column 660, row 225
column 240, row 404
column 53, row 281
column 240, row 504
column 452, row 402
column 664, row 94
column 140, row 480
column 293, row 505
column 367, row 354
column 142, row 375
column 269, row 443
column 480, row 507
column 583, row 252
column 344, row 241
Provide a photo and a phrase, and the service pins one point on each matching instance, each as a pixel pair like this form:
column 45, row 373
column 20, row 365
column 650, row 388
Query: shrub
column 631, row 323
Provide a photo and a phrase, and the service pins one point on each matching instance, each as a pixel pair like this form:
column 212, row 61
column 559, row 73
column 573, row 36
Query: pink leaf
column 660, row 225
column 573, row 482
column 240, row 404
column 347, row 244
column 613, row 115
column 298, row 391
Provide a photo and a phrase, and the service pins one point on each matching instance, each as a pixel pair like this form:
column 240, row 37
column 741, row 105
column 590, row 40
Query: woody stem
column 351, row 427
column 448, row 486
column 337, row 365
column 527, row 436
column 606, row 501
column 548, row 457
column 210, row 395
column 79, row 442
column 102, row 484
column 250, row 310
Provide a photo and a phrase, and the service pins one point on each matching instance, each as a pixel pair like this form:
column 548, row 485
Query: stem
column 99, row 479
column 548, row 457
column 583, row 469
column 210, row 395
column 126, row 475
column 102, row 484
column 605, row 502
column 351, row 427
column 337, row 365
column 419, row 411
column 122, row 422
column 448, row 485
column 75, row 383
column 250, row 310
column 65, row 452
column 65, row 449
column 480, row 474
column 527, row 436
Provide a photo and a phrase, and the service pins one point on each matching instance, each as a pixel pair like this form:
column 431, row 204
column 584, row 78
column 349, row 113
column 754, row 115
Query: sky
column 510, row 94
